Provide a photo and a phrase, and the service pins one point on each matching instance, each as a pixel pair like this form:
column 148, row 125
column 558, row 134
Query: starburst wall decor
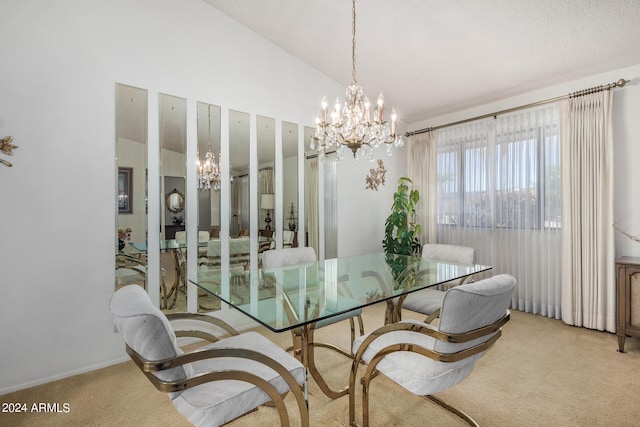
column 376, row 176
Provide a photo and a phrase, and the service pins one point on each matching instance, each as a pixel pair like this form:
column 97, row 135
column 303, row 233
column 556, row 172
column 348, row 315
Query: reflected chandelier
column 209, row 169
column 352, row 127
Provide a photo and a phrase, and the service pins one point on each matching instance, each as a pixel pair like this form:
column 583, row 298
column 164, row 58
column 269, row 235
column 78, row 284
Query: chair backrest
column 288, row 256
column 449, row 253
column 181, row 237
column 203, row 236
column 472, row 306
column 287, row 238
column 146, row 329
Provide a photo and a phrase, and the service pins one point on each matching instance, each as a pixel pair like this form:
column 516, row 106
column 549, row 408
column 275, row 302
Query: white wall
column 626, row 107
column 61, row 62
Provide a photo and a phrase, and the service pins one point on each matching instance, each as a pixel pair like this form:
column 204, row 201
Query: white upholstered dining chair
column 429, row 301
column 277, row 258
column 425, row 359
column 216, row 383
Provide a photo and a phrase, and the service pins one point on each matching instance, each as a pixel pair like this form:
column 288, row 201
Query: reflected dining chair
column 287, row 238
column 429, row 301
column 286, row 257
column 132, row 270
column 216, row 383
column 425, row 359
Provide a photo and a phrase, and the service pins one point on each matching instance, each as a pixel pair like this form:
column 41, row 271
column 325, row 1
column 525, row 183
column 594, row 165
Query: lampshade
column 267, row 201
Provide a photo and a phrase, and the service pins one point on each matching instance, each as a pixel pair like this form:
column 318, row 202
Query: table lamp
column 267, row 202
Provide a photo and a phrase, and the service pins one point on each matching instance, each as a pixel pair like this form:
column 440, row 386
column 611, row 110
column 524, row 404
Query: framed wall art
column 125, row 190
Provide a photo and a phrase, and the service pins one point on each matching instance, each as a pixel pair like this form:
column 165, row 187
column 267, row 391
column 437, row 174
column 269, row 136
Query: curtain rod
column 267, row 168
column 314, row 156
column 619, row 83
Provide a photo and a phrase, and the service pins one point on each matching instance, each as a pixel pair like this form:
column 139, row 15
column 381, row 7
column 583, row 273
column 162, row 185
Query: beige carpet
column 540, row 373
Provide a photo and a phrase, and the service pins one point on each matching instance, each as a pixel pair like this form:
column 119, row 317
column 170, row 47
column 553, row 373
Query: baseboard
column 61, row 376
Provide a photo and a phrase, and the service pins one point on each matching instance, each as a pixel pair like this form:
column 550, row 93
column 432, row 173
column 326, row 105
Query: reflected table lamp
column 267, row 202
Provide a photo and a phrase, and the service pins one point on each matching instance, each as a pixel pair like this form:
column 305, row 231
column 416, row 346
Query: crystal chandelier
column 352, row 127
column 209, row 169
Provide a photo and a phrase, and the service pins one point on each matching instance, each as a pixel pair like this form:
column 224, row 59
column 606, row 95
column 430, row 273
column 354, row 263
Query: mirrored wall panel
column 290, row 184
column 172, row 122
column 311, row 208
column 239, row 221
column 321, row 213
column 131, row 185
column 266, row 141
column 209, row 185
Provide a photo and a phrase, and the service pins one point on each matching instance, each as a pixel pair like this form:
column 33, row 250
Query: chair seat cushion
column 418, row 374
column 425, row 302
column 216, row 403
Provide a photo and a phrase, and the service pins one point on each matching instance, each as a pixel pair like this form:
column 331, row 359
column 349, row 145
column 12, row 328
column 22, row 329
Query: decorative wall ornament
column 377, row 176
column 627, row 235
column 7, row 148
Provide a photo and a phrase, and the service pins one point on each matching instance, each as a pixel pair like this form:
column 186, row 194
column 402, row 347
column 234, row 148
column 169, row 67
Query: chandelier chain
column 209, row 126
column 353, row 41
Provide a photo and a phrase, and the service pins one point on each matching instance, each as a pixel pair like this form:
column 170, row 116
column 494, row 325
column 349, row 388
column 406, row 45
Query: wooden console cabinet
column 628, row 299
column 170, row 231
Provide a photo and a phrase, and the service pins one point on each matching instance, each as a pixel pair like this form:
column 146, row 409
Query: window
column 502, row 174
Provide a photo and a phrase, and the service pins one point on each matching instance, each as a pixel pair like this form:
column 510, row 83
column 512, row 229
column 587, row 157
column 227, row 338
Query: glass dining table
column 177, row 249
column 296, row 298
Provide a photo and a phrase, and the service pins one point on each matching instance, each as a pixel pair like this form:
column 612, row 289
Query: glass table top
column 287, row 297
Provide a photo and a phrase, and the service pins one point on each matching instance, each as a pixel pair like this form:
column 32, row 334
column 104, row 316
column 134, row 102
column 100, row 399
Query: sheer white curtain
column 265, row 181
column 423, row 171
column 499, row 192
column 588, row 275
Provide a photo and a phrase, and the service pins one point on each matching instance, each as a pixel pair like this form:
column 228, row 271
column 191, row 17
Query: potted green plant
column 402, row 234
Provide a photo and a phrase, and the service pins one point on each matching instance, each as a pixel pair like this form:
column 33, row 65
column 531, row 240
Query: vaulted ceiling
column 431, row 57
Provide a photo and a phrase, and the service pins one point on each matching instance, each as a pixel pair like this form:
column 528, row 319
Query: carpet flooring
column 540, row 373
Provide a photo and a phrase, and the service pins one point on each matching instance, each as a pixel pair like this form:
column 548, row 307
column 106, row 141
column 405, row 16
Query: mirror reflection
column 266, row 140
column 290, row 184
column 311, row 208
column 209, row 185
column 208, row 166
column 131, row 185
column 175, row 201
column 173, row 237
column 321, row 214
column 239, row 222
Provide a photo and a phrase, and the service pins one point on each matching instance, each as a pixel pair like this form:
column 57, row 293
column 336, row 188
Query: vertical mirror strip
column 172, row 120
column 131, row 185
column 209, row 183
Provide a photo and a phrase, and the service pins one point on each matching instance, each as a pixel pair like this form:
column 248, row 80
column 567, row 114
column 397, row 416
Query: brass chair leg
column 365, row 380
column 433, row 316
column 453, row 410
